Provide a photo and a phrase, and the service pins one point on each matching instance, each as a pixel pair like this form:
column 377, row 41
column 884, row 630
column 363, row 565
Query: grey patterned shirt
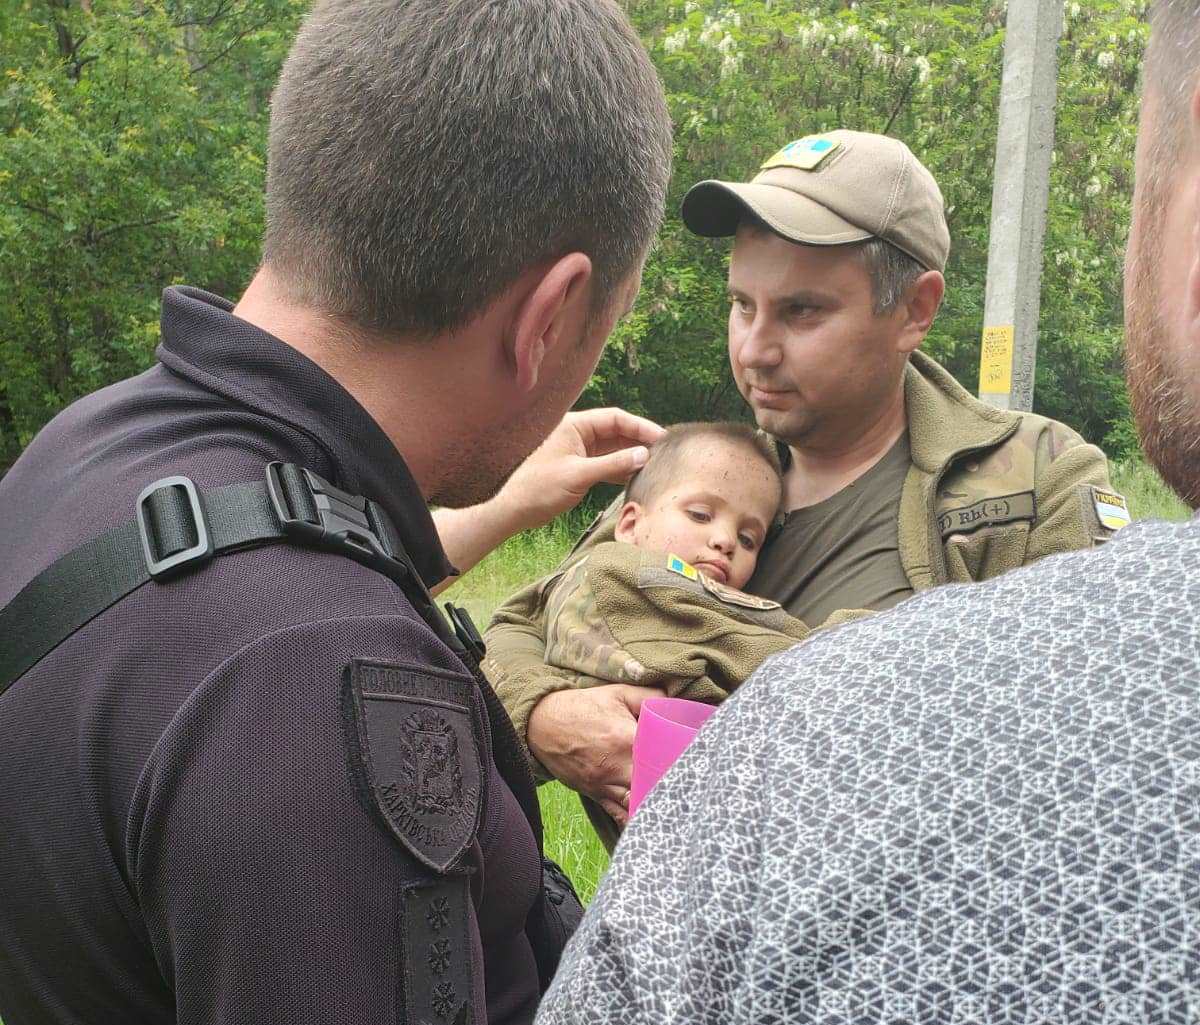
column 982, row 806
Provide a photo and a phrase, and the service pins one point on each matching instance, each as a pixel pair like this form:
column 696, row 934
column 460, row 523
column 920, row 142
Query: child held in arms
column 660, row 606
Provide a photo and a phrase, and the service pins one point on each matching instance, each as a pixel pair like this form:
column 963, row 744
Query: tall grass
column 514, row 564
column 570, row 839
column 1149, row 498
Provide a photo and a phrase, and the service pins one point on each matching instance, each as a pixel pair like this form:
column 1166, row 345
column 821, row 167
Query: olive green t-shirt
column 842, row 553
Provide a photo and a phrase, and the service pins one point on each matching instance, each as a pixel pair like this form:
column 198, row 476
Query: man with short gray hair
column 897, row 480
column 983, row 806
column 251, row 773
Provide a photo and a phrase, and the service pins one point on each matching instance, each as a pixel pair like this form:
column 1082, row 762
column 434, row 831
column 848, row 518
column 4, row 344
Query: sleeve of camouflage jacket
column 579, row 640
column 1067, row 470
column 693, row 642
column 516, row 641
column 621, row 615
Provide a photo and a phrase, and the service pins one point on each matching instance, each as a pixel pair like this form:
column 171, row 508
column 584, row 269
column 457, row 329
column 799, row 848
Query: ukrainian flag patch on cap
column 807, row 154
column 685, row 569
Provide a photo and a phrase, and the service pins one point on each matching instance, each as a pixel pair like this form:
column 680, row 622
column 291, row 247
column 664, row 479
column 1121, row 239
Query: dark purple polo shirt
column 181, row 836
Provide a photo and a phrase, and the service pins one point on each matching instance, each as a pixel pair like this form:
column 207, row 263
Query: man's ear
column 627, row 521
column 538, row 324
column 918, row 310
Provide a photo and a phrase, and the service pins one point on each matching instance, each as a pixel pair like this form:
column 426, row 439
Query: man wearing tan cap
column 897, row 479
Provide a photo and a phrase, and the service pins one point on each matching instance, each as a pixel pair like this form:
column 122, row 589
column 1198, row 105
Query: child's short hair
column 664, row 464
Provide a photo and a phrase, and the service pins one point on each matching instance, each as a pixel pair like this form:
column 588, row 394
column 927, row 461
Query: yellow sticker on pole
column 996, row 360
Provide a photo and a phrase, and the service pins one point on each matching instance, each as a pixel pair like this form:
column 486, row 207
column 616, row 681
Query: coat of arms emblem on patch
column 430, row 750
column 413, row 743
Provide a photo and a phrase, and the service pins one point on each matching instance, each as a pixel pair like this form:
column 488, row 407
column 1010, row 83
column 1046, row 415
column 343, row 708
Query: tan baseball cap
column 831, row 190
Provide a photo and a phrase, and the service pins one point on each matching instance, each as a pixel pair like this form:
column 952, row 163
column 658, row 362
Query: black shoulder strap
column 176, row 527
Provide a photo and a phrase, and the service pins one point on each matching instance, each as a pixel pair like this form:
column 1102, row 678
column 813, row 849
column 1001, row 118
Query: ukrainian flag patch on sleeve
column 1111, row 509
column 685, row 569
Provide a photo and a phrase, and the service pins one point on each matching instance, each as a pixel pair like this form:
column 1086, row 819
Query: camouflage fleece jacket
column 624, row 615
column 988, row 490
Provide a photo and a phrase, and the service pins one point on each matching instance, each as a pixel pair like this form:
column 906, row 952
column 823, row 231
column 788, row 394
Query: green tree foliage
column 132, row 142
column 132, row 135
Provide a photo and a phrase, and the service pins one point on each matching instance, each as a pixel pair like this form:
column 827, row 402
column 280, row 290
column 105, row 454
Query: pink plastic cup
column 665, row 727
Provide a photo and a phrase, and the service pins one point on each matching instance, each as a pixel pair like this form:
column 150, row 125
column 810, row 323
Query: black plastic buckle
column 466, row 630
column 201, row 551
column 348, row 524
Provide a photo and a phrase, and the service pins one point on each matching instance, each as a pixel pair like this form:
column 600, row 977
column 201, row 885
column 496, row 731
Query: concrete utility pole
column 1020, row 195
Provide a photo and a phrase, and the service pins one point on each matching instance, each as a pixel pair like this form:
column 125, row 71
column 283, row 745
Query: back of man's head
column 1162, row 350
column 425, row 153
column 1172, row 69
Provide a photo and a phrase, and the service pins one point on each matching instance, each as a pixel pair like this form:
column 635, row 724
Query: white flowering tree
column 133, row 153
column 746, row 76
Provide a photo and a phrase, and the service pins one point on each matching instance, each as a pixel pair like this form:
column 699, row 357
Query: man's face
column 715, row 515
column 488, row 462
column 808, row 353
column 1163, row 363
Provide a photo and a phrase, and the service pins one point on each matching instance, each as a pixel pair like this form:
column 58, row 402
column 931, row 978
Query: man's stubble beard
column 1167, row 416
column 472, row 483
column 798, row 433
column 486, row 463
column 814, row 428
column 792, row 428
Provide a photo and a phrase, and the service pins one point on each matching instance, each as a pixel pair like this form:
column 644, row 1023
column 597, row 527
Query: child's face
column 715, row 515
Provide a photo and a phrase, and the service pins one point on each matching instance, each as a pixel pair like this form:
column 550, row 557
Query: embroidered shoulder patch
column 1111, row 509
column 685, row 569
column 414, row 744
column 436, row 949
column 732, row 596
column 990, row 512
column 807, row 154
